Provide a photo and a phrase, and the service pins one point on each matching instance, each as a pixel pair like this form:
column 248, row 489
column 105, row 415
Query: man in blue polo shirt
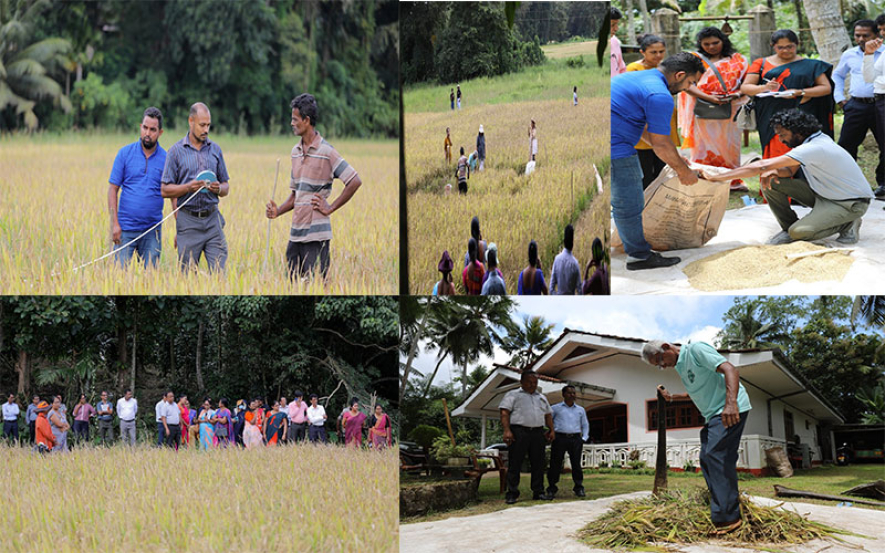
column 714, row 386
column 137, row 171
column 861, row 115
column 642, row 105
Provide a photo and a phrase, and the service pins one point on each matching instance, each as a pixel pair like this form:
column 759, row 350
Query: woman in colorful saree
column 379, row 429
column 800, row 83
column 715, row 142
column 206, row 419
column 275, row 425
column 224, row 426
column 353, row 420
column 254, row 421
column 185, row 413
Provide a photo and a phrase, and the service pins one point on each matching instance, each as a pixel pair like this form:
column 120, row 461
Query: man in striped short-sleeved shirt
column 199, row 224
column 315, row 164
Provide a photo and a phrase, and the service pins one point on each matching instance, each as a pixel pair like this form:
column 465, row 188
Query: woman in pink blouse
column 83, row 411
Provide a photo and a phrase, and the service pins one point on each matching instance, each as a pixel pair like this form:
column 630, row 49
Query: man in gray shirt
column 168, row 420
column 105, row 411
column 566, row 276
column 199, row 225
column 817, row 173
column 524, row 413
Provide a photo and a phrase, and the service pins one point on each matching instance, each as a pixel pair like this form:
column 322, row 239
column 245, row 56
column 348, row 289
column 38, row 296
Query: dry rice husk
column 763, row 266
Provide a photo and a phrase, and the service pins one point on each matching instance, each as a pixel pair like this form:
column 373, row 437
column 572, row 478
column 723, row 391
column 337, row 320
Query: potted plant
column 451, row 455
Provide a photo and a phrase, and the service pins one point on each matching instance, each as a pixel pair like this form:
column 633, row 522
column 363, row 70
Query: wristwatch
column 802, row 91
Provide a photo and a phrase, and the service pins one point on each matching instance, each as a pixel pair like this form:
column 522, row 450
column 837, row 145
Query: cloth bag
column 745, row 118
column 679, row 217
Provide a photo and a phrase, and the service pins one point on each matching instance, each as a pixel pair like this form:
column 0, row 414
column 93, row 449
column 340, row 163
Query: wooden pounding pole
column 661, row 460
column 448, row 421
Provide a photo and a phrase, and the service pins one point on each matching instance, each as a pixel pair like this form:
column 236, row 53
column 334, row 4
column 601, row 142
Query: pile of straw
column 677, row 517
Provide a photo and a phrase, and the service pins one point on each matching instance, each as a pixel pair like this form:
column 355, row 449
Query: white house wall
column 806, row 436
column 635, row 383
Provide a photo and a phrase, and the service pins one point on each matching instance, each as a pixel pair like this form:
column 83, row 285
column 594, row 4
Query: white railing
column 750, row 454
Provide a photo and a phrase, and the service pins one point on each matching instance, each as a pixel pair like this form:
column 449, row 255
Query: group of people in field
column 482, row 274
column 475, row 160
column 205, row 426
column 193, row 176
column 719, row 94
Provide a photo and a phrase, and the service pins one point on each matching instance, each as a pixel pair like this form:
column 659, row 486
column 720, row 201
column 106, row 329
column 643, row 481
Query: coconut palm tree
column 746, row 331
column 526, row 342
column 25, row 65
column 869, row 310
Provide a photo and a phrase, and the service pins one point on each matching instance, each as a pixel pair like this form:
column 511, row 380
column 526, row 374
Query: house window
column 680, row 414
column 789, row 428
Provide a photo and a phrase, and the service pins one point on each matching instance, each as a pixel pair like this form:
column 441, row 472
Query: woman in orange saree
column 715, row 142
column 254, row 421
column 184, row 409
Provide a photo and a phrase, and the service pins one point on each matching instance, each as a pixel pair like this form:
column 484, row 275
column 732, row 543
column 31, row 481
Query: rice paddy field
column 54, row 217
column 513, row 209
column 310, row 498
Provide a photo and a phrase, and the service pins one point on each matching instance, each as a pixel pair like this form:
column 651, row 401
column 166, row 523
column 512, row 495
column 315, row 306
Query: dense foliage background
column 447, row 42
column 81, row 64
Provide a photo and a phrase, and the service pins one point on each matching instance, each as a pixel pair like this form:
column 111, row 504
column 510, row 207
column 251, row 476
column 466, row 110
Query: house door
column 608, row 424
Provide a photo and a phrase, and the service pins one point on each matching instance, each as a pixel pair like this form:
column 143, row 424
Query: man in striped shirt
column 315, row 164
column 199, row 224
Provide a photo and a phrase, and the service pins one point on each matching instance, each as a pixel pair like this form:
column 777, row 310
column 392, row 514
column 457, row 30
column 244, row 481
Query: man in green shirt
column 714, row 386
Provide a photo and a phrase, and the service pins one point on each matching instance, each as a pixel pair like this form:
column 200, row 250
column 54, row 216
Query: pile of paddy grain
column 676, row 517
column 763, row 266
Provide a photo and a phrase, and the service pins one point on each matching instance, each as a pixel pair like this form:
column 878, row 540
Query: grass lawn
column 598, row 484
column 571, row 49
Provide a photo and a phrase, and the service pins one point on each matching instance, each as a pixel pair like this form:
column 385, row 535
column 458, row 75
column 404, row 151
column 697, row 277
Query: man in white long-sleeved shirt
column 874, row 73
column 316, row 416
column 861, row 115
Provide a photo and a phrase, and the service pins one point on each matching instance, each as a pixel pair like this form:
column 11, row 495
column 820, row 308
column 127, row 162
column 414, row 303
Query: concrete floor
column 552, row 527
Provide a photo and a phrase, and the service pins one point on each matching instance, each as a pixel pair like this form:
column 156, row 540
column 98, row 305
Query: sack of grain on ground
column 679, row 217
column 778, row 461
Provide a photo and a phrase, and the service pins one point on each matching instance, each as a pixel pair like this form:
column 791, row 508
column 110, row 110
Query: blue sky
column 672, row 318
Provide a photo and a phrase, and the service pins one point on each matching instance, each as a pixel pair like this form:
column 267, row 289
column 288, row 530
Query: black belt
column 167, row 424
column 201, row 214
column 564, row 435
column 879, row 96
column 130, row 420
column 864, row 100
column 529, row 428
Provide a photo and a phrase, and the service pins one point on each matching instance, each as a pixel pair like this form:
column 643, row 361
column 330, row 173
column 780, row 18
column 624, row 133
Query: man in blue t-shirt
column 641, row 107
column 714, row 386
column 137, row 171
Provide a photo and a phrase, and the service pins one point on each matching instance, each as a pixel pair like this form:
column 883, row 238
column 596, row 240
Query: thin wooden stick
column 274, row 195
column 792, row 256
